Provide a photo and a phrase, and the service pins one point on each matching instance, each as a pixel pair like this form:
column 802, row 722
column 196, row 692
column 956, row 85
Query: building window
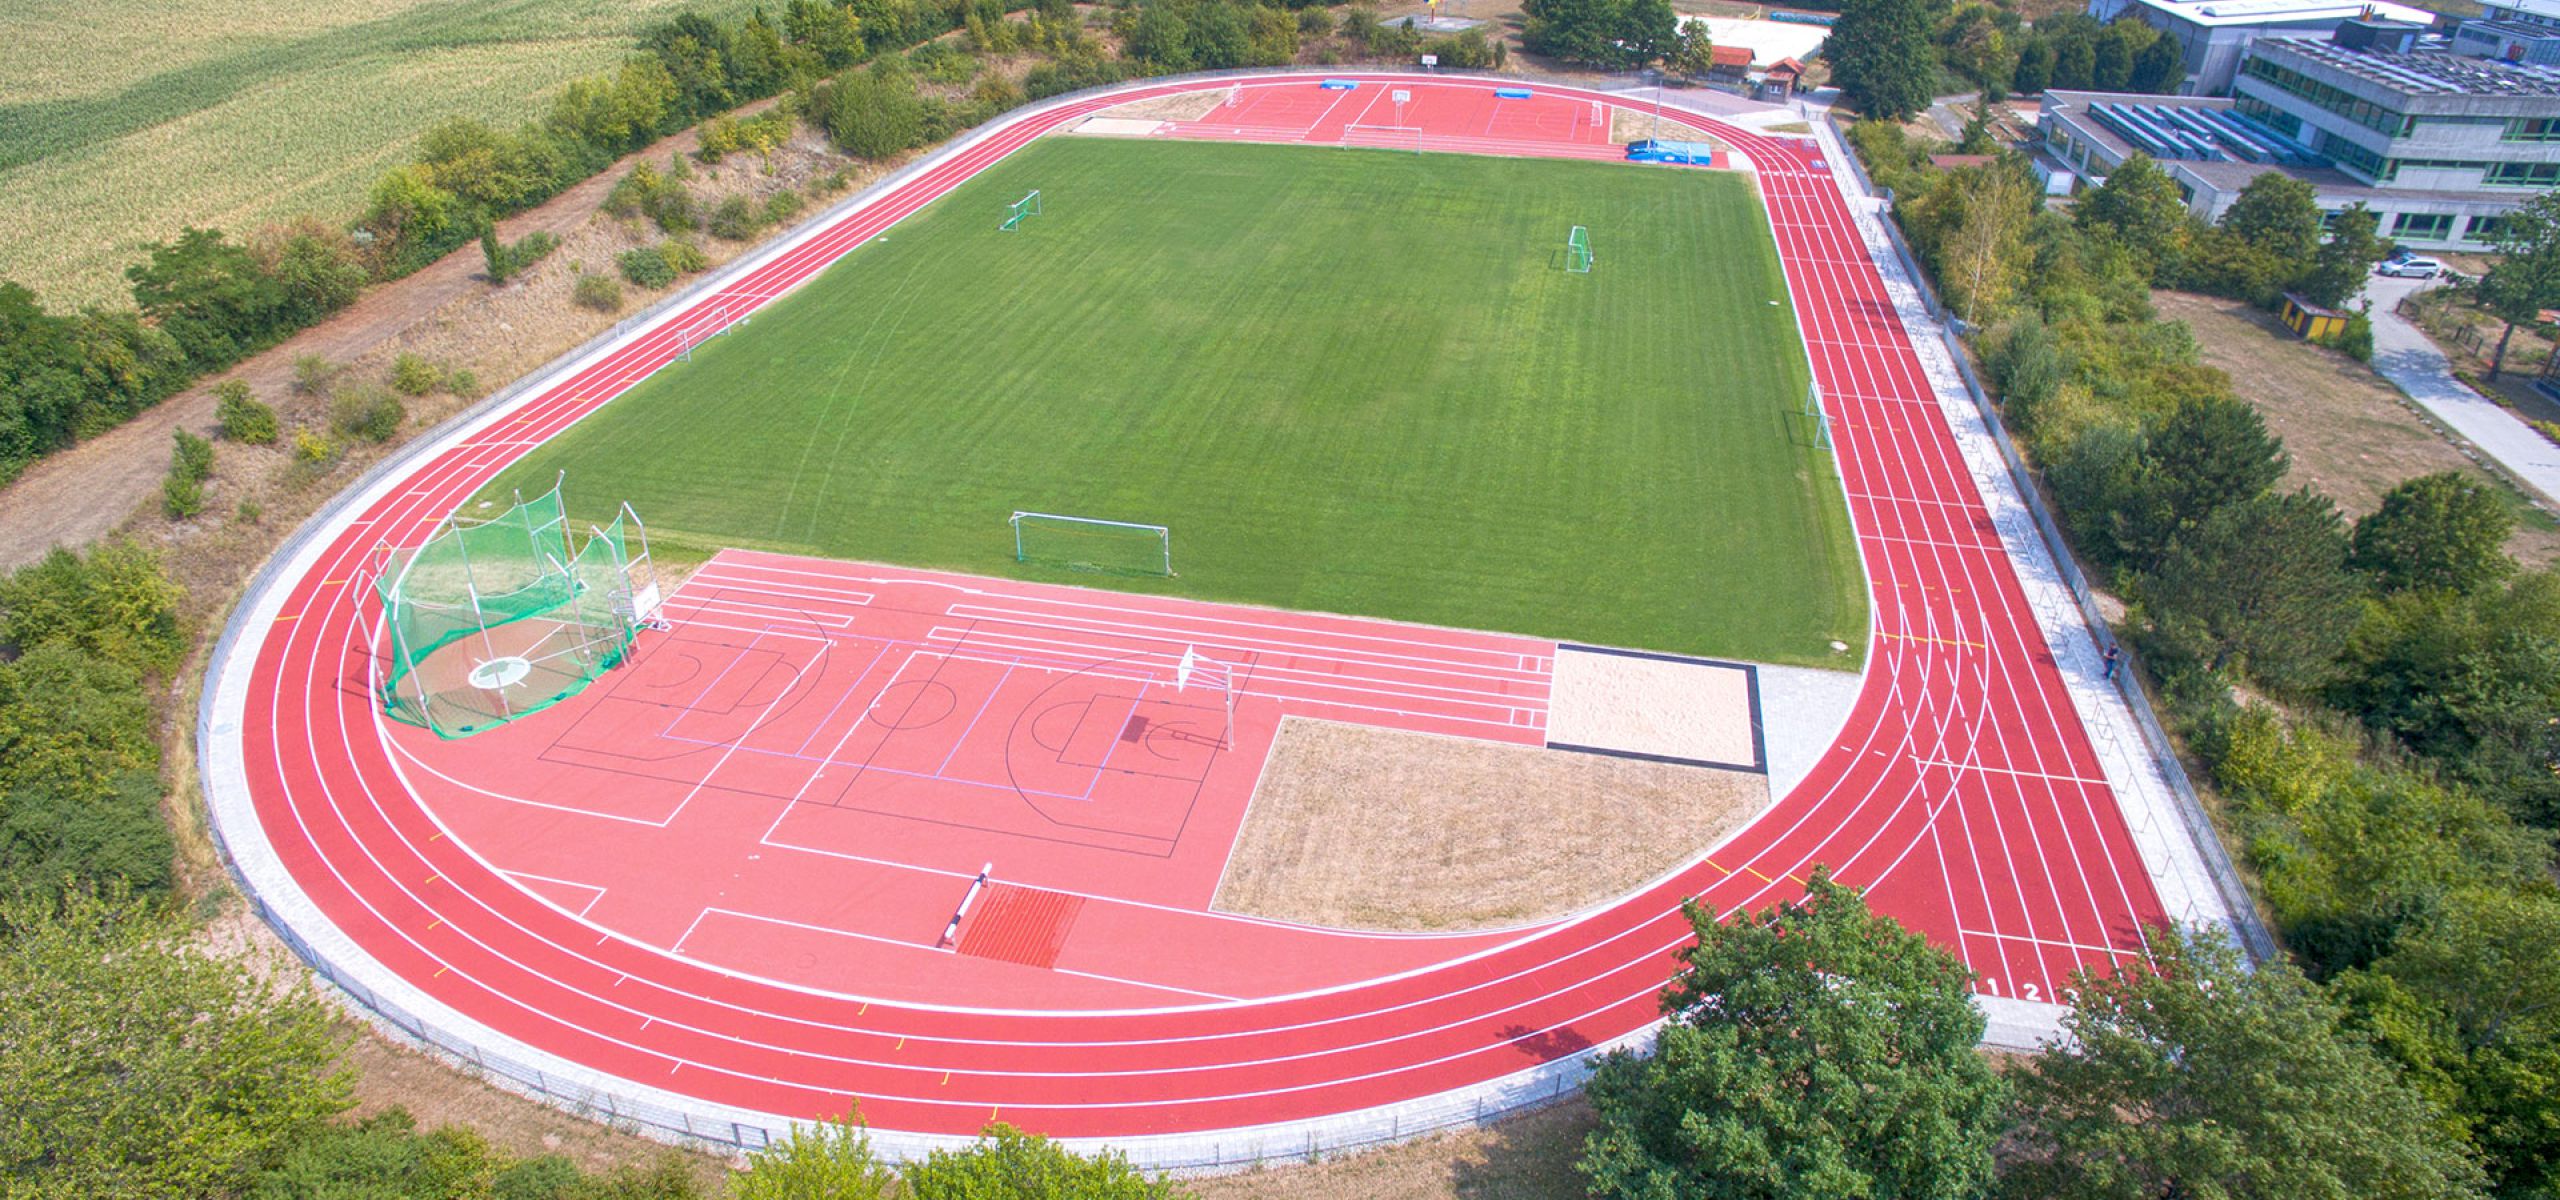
column 2356, row 158
column 2532, row 175
column 2486, row 229
column 2272, row 117
column 2533, row 129
column 2346, row 104
column 2424, row 227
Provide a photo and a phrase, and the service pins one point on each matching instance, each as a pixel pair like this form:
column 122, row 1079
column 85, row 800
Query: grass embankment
column 1351, row 381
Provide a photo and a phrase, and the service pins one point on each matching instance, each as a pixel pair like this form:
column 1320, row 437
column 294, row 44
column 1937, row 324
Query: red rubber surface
column 1964, row 793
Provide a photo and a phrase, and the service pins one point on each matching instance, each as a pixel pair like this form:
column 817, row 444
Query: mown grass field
column 123, row 120
column 1353, row 381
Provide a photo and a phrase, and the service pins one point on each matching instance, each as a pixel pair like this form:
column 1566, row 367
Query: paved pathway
column 2405, row 357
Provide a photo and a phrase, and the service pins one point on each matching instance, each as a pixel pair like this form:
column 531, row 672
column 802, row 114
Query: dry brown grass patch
column 1524, row 1157
column 1634, row 125
column 1362, row 828
column 2351, row 434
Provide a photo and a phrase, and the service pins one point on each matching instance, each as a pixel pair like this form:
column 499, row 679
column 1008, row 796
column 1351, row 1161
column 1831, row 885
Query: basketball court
column 873, row 779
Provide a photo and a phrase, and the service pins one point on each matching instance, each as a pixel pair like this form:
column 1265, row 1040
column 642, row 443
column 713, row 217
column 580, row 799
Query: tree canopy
column 1881, row 57
column 2199, row 1076
column 1814, row 1049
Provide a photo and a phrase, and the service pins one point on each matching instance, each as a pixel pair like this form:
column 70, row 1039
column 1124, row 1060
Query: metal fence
column 2251, row 929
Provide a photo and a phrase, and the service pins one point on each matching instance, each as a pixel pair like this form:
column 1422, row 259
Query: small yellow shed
column 2310, row 320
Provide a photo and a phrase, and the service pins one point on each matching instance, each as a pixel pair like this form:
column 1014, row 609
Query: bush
column 2356, row 340
column 311, row 449
column 181, row 497
column 834, row 181
column 250, row 512
column 114, row 603
column 683, row 256
column 311, row 375
column 368, row 412
column 465, row 384
column 240, row 416
column 598, row 292
column 646, row 267
column 191, row 458
column 413, row 375
column 943, row 62
column 781, row 206
column 736, row 219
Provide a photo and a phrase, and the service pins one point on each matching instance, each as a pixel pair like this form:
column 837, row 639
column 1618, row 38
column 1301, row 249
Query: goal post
column 1092, row 544
column 1577, row 251
column 1016, row 212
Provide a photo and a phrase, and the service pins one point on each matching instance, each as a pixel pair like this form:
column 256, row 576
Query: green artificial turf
column 1349, row 380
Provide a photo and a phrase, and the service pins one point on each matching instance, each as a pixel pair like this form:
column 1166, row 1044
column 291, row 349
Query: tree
column 1814, row 1049
column 2210, row 452
column 2277, row 214
column 2158, row 67
column 137, row 1065
column 1881, row 57
column 1008, row 1164
column 114, row 603
column 2195, row 1075
column 2435, row 531
column 210, row 295
column 2138, row 205
column 1648, row 29
column 2470, row 680
column 2480, row 1008
column 875, row 113
column 2034, row 72
column 831, row 1159
column 2261, row 583
column 1697, row 51
column 1982, row 258
column 2526, row 279
column 1576, row 31
column 2339, row 267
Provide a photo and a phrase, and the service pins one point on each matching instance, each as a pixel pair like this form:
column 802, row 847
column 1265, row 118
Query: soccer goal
column 488, row 621
column 1021, row 210
column 1092, row 544
column 1577, row 251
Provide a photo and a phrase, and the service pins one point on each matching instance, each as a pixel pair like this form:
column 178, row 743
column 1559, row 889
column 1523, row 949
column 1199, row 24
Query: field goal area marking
column 1016, row 212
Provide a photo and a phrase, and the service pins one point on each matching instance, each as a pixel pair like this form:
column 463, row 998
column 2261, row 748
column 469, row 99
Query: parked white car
column 2412, row 267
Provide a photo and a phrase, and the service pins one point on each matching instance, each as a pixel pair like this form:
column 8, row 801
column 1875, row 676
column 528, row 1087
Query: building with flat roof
column 2438, row 151
column 2212, row 34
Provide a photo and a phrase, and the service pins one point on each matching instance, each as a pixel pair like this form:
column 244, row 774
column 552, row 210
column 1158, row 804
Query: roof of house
column 1729, row 56
column 1786, row 66
column 2281, row 12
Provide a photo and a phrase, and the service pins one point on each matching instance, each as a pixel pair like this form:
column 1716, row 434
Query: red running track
column 1963, row 793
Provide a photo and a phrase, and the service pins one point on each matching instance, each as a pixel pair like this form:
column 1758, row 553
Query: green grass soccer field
column 1349, row 380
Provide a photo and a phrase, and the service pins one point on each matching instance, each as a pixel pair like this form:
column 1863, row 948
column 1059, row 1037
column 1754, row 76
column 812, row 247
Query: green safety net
column 488, row 621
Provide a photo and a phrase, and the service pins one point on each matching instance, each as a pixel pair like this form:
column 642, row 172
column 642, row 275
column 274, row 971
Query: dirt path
column 79, row 494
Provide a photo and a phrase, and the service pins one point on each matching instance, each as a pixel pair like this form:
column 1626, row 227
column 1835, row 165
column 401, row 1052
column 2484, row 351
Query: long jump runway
column 722, row 876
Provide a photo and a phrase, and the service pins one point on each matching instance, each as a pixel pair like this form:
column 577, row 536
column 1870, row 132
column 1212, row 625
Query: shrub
column 192, row 457
column 646, row 267
column 683, row 256
column 368, row 412
column 311, row 375
column 465, row 384
column 240, row 416
column 834, row 181
column 781, row 206
column 250, row 511
column 598, row 292
column 413, row 375
column 181, row 497
column 736, row 219
column 312, row 449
